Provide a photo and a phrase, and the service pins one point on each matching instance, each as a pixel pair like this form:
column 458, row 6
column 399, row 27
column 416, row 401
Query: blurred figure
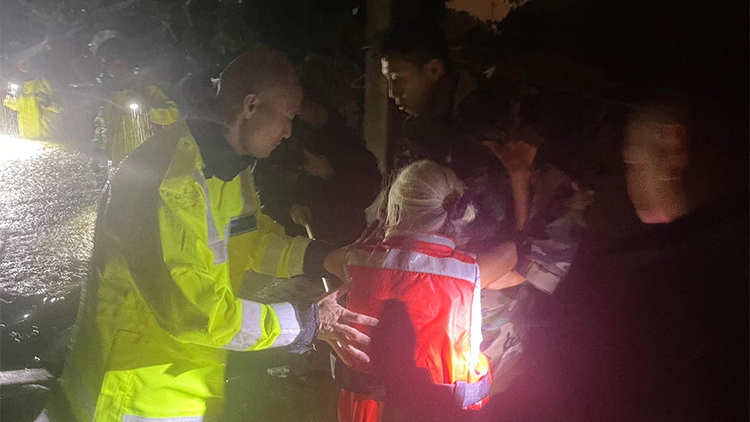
column 437, row 288
column 653, row 323
column 134, row 108
column 680, row 177
column 36, row 102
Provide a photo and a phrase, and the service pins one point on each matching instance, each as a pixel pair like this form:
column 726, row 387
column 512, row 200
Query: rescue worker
column 179, row 226
column 452, row 120
column 35, row 102
column 134, row 108
column 418, row 265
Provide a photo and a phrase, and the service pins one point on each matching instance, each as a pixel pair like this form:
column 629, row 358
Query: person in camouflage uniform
column 453, row 121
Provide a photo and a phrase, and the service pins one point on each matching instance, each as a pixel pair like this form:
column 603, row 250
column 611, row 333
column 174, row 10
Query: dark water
column 48, row 196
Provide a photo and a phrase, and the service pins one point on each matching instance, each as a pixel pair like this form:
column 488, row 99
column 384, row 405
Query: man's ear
column 435, row 69
column 249, row 104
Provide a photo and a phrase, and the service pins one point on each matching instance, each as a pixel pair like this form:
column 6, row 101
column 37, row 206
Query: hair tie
column 457, row 210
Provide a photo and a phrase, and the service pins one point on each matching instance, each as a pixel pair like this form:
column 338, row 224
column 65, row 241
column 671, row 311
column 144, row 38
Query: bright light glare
column 14, row 87
column 14, row 149
column 134, row 106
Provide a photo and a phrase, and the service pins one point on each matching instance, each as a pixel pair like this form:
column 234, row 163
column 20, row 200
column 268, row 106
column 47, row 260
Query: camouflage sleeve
column 550, row 240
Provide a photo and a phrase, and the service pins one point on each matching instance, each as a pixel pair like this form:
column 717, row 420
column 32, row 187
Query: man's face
column 655, row 158
column 409, row 85
column 269, row 118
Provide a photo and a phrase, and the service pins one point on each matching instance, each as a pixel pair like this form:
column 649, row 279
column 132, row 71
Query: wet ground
column 48, row 196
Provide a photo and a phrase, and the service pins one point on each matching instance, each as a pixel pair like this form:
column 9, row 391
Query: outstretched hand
column 516, row 156
column 335, row 328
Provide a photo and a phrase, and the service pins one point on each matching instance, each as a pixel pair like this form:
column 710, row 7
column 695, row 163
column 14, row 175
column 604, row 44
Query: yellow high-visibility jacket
column 38, row 110
column 128, row 117
column 160, row 308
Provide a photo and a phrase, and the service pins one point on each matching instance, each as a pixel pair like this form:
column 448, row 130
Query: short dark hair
column 417, row 42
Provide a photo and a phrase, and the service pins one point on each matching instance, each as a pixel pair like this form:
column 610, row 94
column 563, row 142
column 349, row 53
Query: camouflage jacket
column 451, row 129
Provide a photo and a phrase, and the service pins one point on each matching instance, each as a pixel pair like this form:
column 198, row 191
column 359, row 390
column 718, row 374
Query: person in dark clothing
column 653, row 322
column 329, row 178
column 452, row 120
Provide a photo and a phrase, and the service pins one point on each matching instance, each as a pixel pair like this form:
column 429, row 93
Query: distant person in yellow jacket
column 34, row 101
column 134, row 109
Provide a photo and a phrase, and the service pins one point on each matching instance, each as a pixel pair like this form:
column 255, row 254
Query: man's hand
column 517, row 156
column 510, row 279
column 301, row 215
column 335, row 330
column 317, row 166
column 335, row 263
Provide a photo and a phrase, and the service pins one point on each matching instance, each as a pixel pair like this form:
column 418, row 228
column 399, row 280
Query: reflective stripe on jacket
column 439, row 287
column 160, row 308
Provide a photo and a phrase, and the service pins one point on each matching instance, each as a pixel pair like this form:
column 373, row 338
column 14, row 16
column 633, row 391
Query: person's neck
column 220, row 157
column 439, row 103
column 231, row 134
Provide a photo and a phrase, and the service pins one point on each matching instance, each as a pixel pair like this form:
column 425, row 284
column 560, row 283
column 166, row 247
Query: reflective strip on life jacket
column 133, row 418
column 215, row 242
column 404, row 260
column 464, row 393
column 425, row 237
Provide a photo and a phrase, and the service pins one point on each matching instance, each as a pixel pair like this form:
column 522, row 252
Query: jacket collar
column 219, row 158
column 399, row 238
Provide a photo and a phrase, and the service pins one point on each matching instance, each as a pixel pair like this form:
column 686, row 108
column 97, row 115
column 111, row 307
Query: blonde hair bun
column 422, row 197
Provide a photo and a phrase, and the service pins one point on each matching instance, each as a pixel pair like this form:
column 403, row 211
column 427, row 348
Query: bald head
column 259, row 70
column 259, row 96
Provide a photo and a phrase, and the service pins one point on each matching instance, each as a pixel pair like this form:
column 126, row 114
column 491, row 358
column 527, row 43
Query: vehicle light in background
column 134, row 106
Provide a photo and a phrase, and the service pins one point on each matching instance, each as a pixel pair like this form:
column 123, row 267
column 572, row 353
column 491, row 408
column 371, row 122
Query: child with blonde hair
column 418, row 266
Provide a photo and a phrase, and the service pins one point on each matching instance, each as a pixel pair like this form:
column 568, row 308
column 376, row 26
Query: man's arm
column 11, row 102
column 496, row 264
column 551, row 239
column 518, row 158
column 193, row 300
